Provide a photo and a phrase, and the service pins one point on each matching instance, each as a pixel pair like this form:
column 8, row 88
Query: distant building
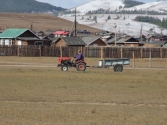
column 16, row 36
column 61, row 33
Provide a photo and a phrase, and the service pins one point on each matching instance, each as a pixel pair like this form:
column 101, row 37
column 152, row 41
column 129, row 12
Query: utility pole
column 75, row 23
column 141, row 30
column 31, row 27
column 115, row 34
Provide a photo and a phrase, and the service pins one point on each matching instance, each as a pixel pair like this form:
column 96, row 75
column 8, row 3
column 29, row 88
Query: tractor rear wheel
column 64, row 68
column 81, row 67
column 118, row 68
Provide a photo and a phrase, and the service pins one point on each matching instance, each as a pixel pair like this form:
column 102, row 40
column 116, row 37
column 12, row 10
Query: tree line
column 162, row 23
column 131, row 3
column 102, row 11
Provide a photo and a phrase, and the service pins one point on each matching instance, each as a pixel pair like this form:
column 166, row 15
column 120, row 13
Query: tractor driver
column 79, row 56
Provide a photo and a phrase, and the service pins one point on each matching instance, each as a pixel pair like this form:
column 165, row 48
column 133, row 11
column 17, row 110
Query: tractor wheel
column 81, row 67
column 64, row 68
column 118, row 68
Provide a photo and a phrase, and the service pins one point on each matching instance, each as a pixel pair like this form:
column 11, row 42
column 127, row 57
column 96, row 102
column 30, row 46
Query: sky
column 73, row 3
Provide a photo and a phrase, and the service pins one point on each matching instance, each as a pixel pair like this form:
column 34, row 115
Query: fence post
column 141, row 52
column 133, row 59
column 18, row 51
column 61, row 51
column 39, row 51
column 121, row 52
column 166, row 59
column 81, row 50
column 101, row 53
column 161, row 52
column 149, row 59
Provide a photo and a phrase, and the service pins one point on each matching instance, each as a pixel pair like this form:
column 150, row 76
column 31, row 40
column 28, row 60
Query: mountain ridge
column 28, row 6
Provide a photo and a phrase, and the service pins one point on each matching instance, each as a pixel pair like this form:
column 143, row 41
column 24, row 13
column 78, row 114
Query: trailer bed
column 113, row 62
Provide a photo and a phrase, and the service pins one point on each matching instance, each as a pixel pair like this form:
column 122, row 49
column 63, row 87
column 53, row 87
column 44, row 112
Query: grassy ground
column 41, row 22
column 47, row 96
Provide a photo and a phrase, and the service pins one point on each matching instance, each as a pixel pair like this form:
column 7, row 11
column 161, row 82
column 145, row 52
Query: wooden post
column 133, row 59
column 84, row 51
column 150, row 59
column 40, row 51
column 141, row 52
column 101, row 53
column 166, row 59
column 61, row 51
column 121, row 52
column 18, row 51
column 161, row 52
column 81, row 50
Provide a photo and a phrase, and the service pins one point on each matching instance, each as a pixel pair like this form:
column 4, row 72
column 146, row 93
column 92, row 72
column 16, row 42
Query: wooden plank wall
column 92, row 52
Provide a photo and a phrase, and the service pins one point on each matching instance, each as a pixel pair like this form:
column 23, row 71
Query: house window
column 19, row 42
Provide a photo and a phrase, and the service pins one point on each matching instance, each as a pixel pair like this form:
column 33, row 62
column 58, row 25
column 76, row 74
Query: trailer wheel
column 118, row 68
column 64, row 68
column 81, row 67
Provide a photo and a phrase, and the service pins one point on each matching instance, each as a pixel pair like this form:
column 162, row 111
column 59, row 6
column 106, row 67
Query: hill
column 152, row 6
column 44, row 22
column 111, row 5
column 27, row 6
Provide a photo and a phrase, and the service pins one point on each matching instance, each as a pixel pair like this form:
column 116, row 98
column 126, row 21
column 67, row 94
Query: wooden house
column 123, row 41
column 15, row 36
column 69, row 41
column 158, row 37
column 94, row 41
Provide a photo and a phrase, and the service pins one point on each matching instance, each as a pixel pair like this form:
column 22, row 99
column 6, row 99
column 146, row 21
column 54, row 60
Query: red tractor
column 66, row 62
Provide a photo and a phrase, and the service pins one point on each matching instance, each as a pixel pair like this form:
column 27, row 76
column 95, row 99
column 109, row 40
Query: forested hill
column 27, row 6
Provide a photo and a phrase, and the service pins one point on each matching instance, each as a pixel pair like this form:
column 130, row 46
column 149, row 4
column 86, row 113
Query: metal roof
column 165, row 45
column 122, row 40
column 89, row 40
column 73, row 41
column 113, row 40
column 61, row 32
column 159, row 43
column 14, row 33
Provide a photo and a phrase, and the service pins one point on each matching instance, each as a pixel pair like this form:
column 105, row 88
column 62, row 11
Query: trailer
column 80, row 65
column 117, row 63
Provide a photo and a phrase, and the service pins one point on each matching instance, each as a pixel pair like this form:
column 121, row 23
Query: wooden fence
column 95, row 52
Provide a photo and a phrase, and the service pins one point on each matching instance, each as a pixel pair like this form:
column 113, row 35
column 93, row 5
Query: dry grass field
column 33, row 91
column 41, row 22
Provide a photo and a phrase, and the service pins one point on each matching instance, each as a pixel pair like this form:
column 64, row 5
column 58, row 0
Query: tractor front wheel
column 81, row 67
column 64, row 68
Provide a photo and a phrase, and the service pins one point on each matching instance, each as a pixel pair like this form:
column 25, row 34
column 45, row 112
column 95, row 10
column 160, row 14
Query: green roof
column 12, row 33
